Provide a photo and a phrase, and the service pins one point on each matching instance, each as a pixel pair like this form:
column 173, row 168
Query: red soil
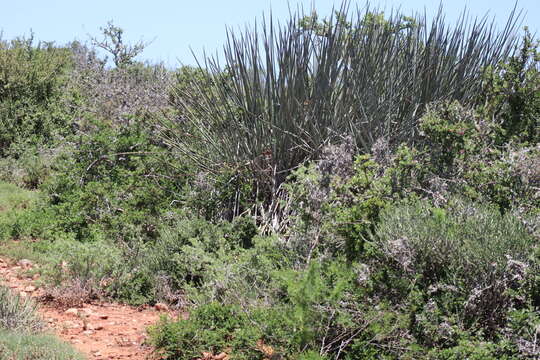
column 98, row 330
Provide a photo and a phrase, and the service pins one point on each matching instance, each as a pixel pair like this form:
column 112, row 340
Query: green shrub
column 210, row 328
column 316, row 309
column 113, row 178
column 475, row 350
column 457, row 153
column 191, row 256
column 28, row 166
column 32, row 79
column 511, row 94
column 312, row 355
column 336, row 204
column 88, row 261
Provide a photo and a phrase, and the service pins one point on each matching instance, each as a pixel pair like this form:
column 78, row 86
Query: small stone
column 220, row 356
column 94, row 327
column 23, row 294
column 30, row 288
column 85, row 312
column 161, row 307
column 70, row 324
column 36, row 276
column 25, row 263
column 72, row 311
column 88, row 332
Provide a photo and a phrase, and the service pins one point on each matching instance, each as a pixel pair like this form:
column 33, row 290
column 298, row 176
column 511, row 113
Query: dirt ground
column 98, row 330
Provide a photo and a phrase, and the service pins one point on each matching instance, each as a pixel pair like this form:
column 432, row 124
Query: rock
column 70, row 324
column 220, row 356
column 25, row 263
column 85, row 312
column 94, row 327
column 64, row 266
column 72, row 311
column 23, row 294
column 88, row 332
column 30, row 288
column 141, row 339
column 36, row 276
column 161, row 307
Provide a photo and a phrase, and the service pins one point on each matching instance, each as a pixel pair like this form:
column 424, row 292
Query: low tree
column 113, row 42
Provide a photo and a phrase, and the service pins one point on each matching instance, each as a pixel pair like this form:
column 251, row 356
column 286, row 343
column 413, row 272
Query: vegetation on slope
column 357, row 187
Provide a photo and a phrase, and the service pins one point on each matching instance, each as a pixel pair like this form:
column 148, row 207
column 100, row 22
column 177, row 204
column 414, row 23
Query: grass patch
column 21, row 334
column 17, row 346
column 18, row 314
column 13, row 197
column 15, row 207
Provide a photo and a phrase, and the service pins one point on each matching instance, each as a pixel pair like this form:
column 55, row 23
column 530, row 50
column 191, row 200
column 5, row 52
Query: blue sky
column 177, row 26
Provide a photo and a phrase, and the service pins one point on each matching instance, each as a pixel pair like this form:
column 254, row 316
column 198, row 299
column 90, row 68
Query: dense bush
column 32, row 80
column 112, row 178
column 310, row 316
column 511, row 94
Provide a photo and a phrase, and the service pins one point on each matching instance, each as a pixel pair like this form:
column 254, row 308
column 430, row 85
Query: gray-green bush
column 464, row 244
column 15, row 346
column 18, row 314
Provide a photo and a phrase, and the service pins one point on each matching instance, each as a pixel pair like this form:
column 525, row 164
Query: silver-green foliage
column 18, row 314
column 466, row 244
column 16, row 346
column 286, row 90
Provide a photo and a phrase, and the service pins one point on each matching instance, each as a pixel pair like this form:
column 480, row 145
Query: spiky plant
column 287, row 90
column 18, row 314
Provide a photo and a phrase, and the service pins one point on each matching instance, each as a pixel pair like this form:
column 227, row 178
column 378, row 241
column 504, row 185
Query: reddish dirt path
column 99, row 330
